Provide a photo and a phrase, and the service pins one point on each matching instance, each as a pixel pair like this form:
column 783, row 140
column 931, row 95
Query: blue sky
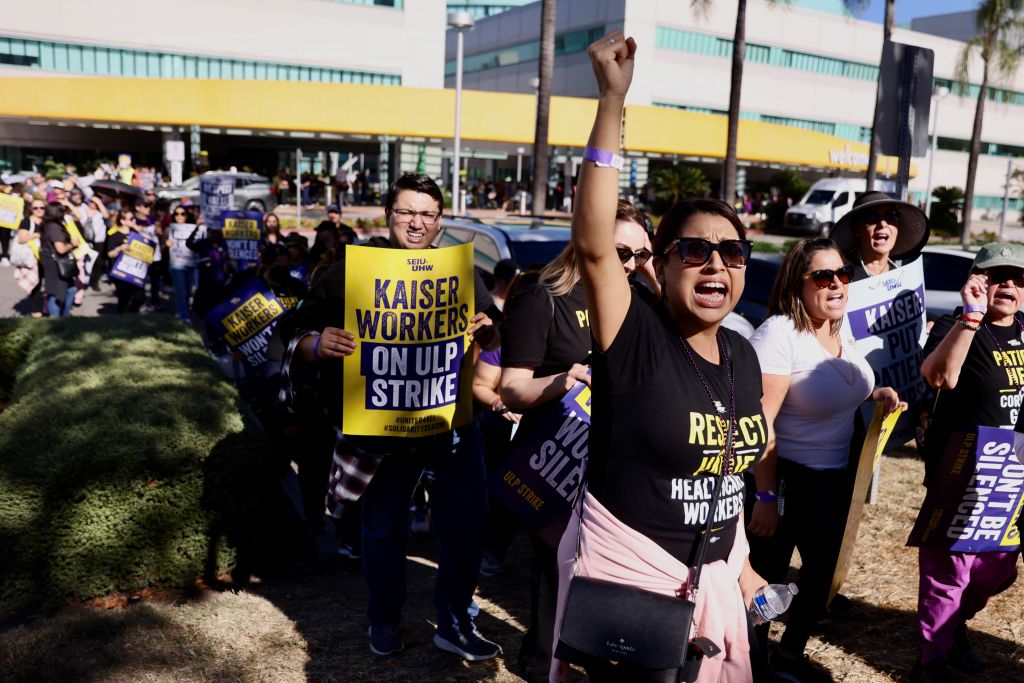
column 909, row 9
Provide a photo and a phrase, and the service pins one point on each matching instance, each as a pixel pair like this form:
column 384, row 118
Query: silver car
column 252, row 192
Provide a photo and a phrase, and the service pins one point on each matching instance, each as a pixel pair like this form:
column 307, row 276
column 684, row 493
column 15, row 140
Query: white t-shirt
column 815, row 423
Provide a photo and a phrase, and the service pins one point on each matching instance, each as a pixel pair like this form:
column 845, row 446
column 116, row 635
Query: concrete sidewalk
column 14, row 301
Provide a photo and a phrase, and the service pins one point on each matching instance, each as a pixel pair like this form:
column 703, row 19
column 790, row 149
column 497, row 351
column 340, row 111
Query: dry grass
column 313, row 627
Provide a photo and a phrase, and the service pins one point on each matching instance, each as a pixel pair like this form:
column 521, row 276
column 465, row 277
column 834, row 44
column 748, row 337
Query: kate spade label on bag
column 619, row 647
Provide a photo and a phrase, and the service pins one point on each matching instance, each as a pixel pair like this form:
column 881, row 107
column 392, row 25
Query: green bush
column 126, row 461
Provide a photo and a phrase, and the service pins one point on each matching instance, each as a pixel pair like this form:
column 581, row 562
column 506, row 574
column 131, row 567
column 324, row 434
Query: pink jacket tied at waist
column 614, row 552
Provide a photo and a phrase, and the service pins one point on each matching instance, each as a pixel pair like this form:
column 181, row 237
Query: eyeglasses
column 641, row 256
column 998, row 276
column 39, row 208
column 179, row 213
column 696, row 251
column 890, row 216
column 823, row 278
column 407, row 216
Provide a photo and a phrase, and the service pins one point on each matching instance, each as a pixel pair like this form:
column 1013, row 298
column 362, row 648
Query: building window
column 92, row 59
column 394, row 4
column 567, row 43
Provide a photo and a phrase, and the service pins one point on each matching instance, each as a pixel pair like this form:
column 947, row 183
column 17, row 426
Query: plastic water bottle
column 771, row 601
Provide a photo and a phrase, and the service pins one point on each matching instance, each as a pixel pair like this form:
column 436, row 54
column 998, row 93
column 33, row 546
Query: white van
column 826, row 202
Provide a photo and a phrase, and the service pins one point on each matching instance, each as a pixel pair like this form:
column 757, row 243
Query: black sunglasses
column 696, row 251
column 1002, row 274
column 890, row 216
column 823, row 278
column 642, row 256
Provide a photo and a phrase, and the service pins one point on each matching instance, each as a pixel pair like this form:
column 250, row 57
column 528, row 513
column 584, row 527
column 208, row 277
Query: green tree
column 999, row 42
column 545, row 74
column 786, row 185
column 946, row 207
column 674, row 183
column 739, row 46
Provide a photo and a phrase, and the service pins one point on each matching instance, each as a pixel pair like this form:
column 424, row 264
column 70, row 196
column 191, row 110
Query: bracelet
column 969, row 326
column 976, row 308
column 604, row 158
column 766, row 496
column 974, row 321
column 316, row 347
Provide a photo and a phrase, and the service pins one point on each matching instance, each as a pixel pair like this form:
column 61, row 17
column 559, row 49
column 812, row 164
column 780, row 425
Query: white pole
column 519, row 166
column 456, row 161
column 931, row 155
column 1006, row 197
column 298, row 188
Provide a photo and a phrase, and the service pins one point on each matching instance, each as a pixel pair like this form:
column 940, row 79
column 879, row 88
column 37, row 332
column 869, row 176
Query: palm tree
column 739, row 46
column 674, row 183
column 890, row 19
column 541, row 149
column 999, row 44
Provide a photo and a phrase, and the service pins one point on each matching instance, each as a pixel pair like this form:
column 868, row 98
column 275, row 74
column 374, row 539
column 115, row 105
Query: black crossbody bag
column 604, row 620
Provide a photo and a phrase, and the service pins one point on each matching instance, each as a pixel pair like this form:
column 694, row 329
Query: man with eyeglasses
column 880, row 233
column 380, row 473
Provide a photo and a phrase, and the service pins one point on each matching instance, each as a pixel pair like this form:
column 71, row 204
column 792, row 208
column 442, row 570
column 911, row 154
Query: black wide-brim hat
column 913, row 231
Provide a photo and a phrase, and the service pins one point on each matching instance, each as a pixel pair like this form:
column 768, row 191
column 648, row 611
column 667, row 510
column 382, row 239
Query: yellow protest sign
column 83, row 247
column 409, row 311
column 12, row 209
column 877, row 436
column 251, row 316
column 140, row 250
column 241, row 229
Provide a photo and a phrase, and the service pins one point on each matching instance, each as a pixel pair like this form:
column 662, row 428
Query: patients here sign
column 409, row 311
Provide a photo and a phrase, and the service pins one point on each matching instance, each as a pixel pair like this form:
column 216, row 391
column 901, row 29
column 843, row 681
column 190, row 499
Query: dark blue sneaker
column 462, row 638
column 384, row 640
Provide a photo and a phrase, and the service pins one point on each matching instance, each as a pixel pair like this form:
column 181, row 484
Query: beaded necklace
column 999, row 347
column 727, row 459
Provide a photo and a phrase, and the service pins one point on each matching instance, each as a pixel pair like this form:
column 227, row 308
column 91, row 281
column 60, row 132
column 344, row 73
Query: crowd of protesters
column 636, row 316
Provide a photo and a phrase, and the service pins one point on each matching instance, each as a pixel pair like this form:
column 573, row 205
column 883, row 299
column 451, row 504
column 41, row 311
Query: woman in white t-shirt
column 814, row 380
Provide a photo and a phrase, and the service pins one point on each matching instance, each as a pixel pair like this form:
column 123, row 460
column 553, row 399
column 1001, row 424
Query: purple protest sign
column 975, row 496
column 539, row 480
column 132, row 264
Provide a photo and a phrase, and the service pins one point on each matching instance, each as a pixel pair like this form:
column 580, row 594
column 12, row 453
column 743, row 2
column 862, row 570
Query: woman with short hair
column 880, row 233
column 966, row 361
column 130, row 297
column 814, row 381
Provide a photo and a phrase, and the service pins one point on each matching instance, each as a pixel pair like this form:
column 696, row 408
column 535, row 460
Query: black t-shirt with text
column 546, row 333
column 988, row 390
column 657, row 441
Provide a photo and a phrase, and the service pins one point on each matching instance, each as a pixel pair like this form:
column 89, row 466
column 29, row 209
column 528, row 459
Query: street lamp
column 940, row 95
column 461, row 22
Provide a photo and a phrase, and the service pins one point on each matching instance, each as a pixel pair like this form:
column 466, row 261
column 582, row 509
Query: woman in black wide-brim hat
column 880, row 233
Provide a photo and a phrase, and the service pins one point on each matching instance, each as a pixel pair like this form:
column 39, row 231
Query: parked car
column 527, row 242
column 945, row 272
column 757, row 289
column 826, row 202
column 252, row 192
